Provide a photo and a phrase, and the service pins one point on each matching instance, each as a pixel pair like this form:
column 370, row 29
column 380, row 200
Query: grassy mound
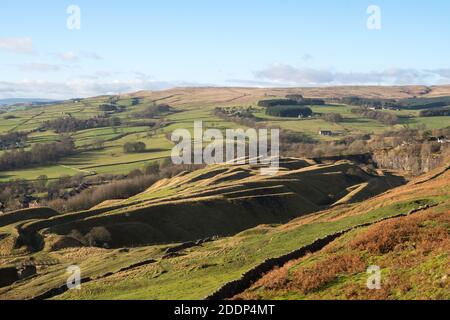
column 218, row 200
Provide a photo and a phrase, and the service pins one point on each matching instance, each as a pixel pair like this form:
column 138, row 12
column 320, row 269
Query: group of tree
column 72, row 124
column 289, row 111
column 332, row 117
column 134, row 147
column 291, row 100
column 240, row 112
column 424, row 103
column 13, row 140
column 305, row 101
column 153, row 111
column 406, row 104
column 135, row 101
column 39, row 154
column 444, row 112
column 368, row 102
column 110, row 107
column 380, row 116
column 412, row 150
column 277, row 102
column 13, row 192
column 119, row 187
column 101, row 187
column 239, row 115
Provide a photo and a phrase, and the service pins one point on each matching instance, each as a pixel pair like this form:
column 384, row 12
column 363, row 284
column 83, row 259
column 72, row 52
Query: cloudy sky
column 125, row 46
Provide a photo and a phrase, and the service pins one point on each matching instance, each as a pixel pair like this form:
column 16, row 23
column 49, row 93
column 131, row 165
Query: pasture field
column 255, row 217
column 189, row 105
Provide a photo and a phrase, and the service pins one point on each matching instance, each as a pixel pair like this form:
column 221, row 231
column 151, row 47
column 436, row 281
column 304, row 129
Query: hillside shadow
column 154, row 150
column 5, row 177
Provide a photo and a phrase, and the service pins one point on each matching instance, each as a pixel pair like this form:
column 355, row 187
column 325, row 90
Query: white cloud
column 79, row 88
column 17, row 45
column 91, row 55
column 252, row 83
column 444, row 73
column 69, row 56
column 307, row 57
column 101, row 74
column 105, row 74
column 283, row 73
column 288, row 75
column 39, row 67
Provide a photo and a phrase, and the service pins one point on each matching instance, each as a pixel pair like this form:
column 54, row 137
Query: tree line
column 242, row 116
column 109, row 107
column 152, row 111
column 289, row 111
column 332, row 117
column 367, row 102
column 291, row 100
column 445, row 112
column 134, row 147
column 305, row 101
column 412, row 150
column 382, row 117
column 407, row 104
column 120, row 187
column 72, row 124
column 13, row 140
column 39, row 154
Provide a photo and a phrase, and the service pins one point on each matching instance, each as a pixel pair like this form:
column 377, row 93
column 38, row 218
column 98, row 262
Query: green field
column 112, row 159
column 251, row 214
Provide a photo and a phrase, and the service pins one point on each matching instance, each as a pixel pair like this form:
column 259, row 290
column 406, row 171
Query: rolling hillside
column 198, row 269
column 189, row 105
column 222, row 231
column 218, row 200
column 411, row 251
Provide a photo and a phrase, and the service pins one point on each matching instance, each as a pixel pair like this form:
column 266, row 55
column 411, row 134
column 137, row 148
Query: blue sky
column 130, row 45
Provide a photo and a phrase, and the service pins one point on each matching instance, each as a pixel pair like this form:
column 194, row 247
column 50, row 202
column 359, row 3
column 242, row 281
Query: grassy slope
column 217, row 200
column 201, row 270
column 412, row 252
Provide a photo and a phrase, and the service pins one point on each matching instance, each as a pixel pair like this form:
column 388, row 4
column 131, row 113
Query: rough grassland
column 412, row 252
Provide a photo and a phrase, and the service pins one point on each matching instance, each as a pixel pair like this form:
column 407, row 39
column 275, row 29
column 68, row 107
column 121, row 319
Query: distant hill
column 11, row 101
column 242, row 95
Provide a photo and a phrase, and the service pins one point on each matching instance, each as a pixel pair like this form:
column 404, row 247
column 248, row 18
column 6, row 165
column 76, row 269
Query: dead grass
column 410, row 232
column 213, row 96
column 413, row 251
column 311, row 278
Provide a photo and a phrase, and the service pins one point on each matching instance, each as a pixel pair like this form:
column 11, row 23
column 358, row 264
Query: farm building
column 325, row 133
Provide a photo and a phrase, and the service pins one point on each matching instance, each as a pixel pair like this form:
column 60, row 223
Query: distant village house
column 443, row 139
column 325, row 133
